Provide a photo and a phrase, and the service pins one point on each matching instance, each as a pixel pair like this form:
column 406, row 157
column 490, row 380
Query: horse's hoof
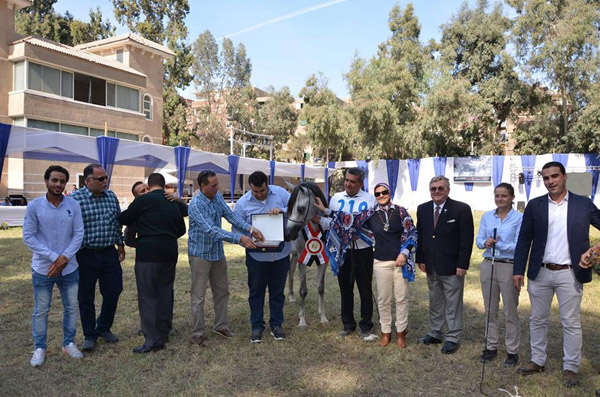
column 302, row 327
column 325, row 324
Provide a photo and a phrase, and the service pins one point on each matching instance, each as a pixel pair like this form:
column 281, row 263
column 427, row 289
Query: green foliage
column 277, row 117
column 42, row 20
column 163, row 21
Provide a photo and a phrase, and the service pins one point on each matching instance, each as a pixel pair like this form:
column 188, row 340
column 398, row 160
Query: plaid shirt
column 100, row 218
column 206, row 234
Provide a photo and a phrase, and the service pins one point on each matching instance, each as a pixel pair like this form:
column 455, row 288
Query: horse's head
column 301, row 208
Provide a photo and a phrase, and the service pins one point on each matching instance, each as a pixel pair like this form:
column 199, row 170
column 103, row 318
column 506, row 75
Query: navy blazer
column 581, row 213
column 450, row 244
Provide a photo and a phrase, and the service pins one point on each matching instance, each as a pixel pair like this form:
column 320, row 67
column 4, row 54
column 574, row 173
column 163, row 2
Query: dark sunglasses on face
column 101, row 179
column 439, row 188
column 384, row 193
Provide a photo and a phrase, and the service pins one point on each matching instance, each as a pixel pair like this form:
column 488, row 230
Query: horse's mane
column 310, row 185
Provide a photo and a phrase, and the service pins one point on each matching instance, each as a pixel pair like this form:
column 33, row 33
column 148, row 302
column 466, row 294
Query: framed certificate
column 271, row 227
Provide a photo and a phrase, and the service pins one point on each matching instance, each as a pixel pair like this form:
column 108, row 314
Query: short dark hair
column 257, row 178
column 558, row 164
column 56, row 168
column 356, row 172
column 203, row 177
column 156, row 179
column 506, row 186
column 89, row 169
column 134, row 186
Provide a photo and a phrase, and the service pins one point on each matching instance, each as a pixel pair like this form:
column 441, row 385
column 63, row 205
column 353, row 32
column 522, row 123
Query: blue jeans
column 42, row 293
column 261, row 275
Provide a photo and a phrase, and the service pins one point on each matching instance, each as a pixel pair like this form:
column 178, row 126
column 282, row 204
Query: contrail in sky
column 285, row 17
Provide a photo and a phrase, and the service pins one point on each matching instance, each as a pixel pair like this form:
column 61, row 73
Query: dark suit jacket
column 581, row 213
column 450, row 244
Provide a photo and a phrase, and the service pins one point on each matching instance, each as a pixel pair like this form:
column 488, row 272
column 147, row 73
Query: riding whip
column 487, row 317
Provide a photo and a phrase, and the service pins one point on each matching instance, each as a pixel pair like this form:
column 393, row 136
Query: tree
column 277, row 117
column 326, row 120
column 42, row 20
column 557, row 44
column 163, row 21
column 222, row 78
column 386, row 90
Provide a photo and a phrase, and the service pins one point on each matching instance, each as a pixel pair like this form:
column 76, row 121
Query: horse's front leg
column 321, row 270
column 293, row 262
column 303, row 293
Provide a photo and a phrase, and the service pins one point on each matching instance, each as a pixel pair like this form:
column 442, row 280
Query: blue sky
column 303, row 36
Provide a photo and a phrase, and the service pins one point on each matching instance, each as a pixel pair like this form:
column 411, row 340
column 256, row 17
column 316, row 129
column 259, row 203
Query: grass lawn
column 312, row 362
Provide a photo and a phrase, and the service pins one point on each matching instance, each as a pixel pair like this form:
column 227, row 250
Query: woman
column 395, row 242
column 507, row 223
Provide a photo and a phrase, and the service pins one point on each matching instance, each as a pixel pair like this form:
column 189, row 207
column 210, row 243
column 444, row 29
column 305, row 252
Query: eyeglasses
column 384, row 193
column 439, row 188
column 101, row 179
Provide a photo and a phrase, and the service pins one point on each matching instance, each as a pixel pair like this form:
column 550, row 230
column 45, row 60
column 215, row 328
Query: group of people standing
column 550, row 240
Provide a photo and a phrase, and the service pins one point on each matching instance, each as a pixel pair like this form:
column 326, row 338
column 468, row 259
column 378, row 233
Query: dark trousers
column 103, row 267
column 358, row 267
column 155, row 299
column 260, row 276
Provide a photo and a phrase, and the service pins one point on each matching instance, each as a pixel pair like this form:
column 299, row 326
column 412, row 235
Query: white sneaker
column 72, row 350
column 369, row 337
column 38, row 357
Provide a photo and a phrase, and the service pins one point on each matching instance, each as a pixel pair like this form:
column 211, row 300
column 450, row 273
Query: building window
column 43, row 125
column 128, row 136
column 120, row 55
column 74, row 129
column 19, row 76
column 50, row 80
column 128, row 98
column 148, row 106
column 90, row 89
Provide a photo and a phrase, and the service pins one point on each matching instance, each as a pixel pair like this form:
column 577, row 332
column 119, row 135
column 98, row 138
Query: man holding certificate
column 269, row 263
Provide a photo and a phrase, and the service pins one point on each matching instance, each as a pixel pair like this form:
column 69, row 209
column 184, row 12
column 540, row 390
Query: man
column 554, row 235
column 53, row 231
column 99, row 260
column 130, row 234
column 445, row 230
column 265, row 268
column 358, row 262
column 207, row 258
column 159, row 224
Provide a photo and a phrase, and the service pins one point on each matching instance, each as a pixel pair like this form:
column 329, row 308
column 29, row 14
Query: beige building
column 111, row 86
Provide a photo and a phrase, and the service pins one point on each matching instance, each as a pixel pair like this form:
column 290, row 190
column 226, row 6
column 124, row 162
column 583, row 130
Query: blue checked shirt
column 206, row 234
column 50, row 231
column 100, row 218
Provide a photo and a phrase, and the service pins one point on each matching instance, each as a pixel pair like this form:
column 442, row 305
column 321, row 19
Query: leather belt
column 498, row 260
column 96, row 250
column 554, row 266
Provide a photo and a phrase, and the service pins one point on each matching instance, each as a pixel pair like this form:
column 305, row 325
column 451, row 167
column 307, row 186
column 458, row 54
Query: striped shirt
column 100, row 218
column 206, row 234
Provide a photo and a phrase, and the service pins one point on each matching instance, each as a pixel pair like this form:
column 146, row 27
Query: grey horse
column 301, row 209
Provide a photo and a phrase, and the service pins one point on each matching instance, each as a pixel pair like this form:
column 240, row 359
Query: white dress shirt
column 557, row 243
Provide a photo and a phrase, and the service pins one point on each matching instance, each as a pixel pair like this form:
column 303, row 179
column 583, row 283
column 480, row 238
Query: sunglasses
column 439, row 189
column 384, row 193
column 101, row 179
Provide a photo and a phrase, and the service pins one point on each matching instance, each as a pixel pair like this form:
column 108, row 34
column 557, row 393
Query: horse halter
column 311, row 195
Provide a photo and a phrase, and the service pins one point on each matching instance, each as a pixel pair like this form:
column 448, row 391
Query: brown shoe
column 226, row 333
column 401, row 339
column 198, row 340
column 531, row 368
column 570, row 378
column 385, row 338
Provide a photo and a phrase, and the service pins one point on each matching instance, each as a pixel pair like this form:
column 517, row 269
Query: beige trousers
column 203, row 272
column 390, row 284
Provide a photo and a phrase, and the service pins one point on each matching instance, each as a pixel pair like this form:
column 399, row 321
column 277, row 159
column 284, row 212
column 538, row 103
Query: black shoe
column 148, row 349
column 277, row 333
column 89, row 345
column 257, row 336
column 450, row 348
column 488, row 355
column 511, row 360
column 345, row 332
column 430, row 340
column 108, row 337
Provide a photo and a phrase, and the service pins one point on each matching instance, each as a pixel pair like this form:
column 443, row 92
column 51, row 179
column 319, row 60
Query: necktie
column 436, row 215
